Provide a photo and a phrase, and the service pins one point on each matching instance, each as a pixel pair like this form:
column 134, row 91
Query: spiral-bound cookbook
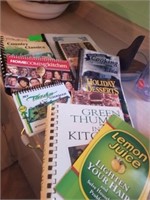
column 32, row 105
column 32, row 70
column 22, row 46
column 69, row 128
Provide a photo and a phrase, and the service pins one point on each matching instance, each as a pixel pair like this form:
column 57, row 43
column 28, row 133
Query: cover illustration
column 72, row 127
column 25, row 47
column 32, row 105
column 122, row 173
column 67, row 46
column 100, row 72
column 27, row 72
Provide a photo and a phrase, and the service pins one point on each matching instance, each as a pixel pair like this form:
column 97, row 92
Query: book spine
column 80, row 68
column 50, row 154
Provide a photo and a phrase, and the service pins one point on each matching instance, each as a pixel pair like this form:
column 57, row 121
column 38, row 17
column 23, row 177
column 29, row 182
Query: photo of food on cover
column 75, row 152
column 95, row 98
column 70, row 50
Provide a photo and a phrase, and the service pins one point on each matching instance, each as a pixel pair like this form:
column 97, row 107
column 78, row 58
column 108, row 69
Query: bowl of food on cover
column 39, row 9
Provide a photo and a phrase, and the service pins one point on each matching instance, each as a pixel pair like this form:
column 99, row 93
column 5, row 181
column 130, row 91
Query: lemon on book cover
column 113, row 166
column 22, row 109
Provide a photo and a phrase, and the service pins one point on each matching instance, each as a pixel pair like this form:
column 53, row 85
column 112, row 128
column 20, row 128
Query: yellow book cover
column 115, row 165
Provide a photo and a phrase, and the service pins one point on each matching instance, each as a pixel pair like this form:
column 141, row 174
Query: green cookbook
column 115, row 165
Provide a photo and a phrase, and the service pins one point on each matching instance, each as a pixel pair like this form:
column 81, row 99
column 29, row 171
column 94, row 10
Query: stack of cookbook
column 65, row 86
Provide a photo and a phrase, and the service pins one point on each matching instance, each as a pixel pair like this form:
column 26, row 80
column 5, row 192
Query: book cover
column 100, row 72
column 32, row 105
column 12, row 38
column 22, row 46
column 26, row 72
column 69, row 129
column 115, row 165
column 67, row 46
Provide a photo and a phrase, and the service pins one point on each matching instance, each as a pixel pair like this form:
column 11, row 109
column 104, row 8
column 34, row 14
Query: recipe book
column 35, row 71
column 67, row 46
column 32, row 105
column 69, row 129
column 17, row 46
column 115, row 165
column 22, row 46
column 100, row 72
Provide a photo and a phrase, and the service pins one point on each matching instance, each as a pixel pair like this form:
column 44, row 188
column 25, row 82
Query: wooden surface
column 109, row 31
column 14, row 184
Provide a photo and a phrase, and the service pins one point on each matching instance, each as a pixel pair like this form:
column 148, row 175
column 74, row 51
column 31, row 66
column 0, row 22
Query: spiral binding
column 50, row 154
column 3, row 63
column 37, row 59
column 36, row 88
column 2, row 57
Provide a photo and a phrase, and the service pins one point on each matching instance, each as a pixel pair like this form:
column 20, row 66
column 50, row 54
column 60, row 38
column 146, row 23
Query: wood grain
column 110, row 31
